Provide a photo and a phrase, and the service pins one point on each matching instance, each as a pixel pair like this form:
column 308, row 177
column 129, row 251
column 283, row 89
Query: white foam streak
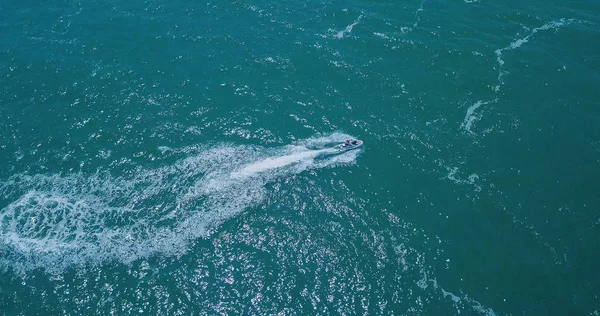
column 417, row 17
column 519, row 42
column 406, row 29
column 273, row 163
column 348, row 28
column 471, row 117
column 475, row 305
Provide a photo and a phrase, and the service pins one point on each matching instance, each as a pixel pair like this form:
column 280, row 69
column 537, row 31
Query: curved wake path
column 471, row 116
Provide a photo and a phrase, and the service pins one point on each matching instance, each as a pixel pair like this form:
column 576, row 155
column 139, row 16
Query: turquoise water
column 172, row 157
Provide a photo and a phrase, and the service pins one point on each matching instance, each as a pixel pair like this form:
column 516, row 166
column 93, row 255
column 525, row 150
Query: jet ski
column 353, row 144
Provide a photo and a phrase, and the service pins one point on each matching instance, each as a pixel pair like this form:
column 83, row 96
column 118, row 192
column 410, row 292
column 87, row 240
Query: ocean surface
column 174, row 157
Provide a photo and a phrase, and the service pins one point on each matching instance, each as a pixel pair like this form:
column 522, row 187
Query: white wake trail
column 279, row 162
column 57, row 221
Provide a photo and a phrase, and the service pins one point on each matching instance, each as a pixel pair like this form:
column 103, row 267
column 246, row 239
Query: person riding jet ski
column 349, row 143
